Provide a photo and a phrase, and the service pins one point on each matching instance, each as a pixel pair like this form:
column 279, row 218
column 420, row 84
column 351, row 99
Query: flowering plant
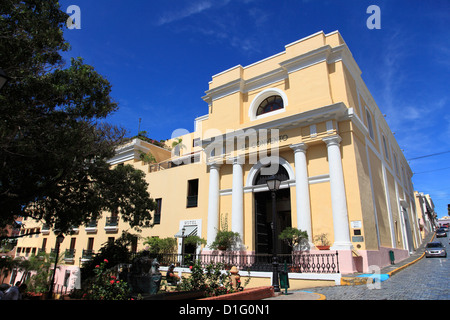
column 211, row 280
column 105, row 286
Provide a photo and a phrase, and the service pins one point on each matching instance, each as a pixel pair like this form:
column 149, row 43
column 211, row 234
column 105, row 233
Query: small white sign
column 356, row 224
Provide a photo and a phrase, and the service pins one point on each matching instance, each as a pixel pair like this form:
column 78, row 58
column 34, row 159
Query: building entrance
column 263, row 215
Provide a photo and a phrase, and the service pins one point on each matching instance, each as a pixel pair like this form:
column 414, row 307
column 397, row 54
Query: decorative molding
column 260, row 98
column 307, row 59
column 319, row 179
column 128, row 151
column 255, row 169
column 332, row 140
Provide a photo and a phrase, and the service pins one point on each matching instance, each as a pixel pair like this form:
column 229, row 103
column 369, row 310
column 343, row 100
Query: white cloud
column 193, row 8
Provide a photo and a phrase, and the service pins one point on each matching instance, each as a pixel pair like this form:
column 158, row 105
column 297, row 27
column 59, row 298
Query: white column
column 338, row 198
column 237, row 198
column 302, row 190
column 213, row 203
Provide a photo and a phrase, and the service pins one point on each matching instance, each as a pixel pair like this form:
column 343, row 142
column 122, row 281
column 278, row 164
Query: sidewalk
column 355, row 280
column 418, row 254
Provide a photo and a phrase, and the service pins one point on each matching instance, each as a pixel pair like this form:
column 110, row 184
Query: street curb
column 404, row 266
column 410, row 263
column 321, row 296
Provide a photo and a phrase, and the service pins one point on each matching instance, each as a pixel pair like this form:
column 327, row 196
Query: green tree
column 294, row 237
column 43, row 264
column 161, row 246
column 54, row 142
column 116, row 252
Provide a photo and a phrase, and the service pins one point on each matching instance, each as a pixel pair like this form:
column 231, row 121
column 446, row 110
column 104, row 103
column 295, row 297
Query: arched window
column 270, row 104
column 282, row 175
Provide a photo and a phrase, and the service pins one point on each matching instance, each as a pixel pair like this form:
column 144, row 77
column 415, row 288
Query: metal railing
column 296, row 262
column 112, row 221
column 87, row 254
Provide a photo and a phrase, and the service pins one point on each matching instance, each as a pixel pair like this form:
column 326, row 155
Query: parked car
column 435, row 249
column 441, row 233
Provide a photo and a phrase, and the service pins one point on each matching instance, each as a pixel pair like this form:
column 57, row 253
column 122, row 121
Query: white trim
column 265, row 79
column 373, row 191
column 284, row 184
column 388, row 202
column 225, row 71
column 319, row 179
column 336, row 277
column 255, row 169
column 265, row 59
column 307, row 59
column 191, row 223
column 260, row 98
column 306, row 38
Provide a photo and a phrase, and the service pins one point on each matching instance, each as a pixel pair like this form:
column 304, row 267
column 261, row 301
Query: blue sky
column 160, row 55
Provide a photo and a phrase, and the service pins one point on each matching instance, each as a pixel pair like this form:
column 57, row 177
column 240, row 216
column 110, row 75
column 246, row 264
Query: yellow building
column 304, row 115
column 425, row 212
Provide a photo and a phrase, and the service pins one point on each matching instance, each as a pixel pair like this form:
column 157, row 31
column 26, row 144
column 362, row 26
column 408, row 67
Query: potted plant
column 322, row 242
column 294, row 238
column 225, row 239
column 194, row 240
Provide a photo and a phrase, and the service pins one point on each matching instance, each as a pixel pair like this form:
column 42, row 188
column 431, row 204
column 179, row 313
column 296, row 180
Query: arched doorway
column 263, row 214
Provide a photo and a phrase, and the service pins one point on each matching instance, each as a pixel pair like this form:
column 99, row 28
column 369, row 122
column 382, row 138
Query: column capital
column 332, row 140
column 214, row 165
column 299, row 147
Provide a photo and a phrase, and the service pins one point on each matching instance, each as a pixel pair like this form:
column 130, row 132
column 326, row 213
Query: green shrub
column 211, row 280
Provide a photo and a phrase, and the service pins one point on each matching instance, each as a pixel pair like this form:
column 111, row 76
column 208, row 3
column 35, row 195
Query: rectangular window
column 134, row 243
column 386, row 153
column 369, row 124
column 90, row 245
column 72, row 243
column 157, row 216
column 395, row 163
column 403, row 177
column 192, row 195
column 196, row 142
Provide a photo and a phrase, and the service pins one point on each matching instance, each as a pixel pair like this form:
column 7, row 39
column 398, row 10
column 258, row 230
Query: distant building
column 304, row 115
column 425, row 212
column 444, row 221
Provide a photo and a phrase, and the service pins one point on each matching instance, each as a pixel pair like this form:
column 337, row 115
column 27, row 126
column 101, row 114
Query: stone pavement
column 414, row 284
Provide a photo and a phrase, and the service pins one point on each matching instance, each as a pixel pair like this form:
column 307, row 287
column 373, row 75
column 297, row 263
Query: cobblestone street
column 427, row 279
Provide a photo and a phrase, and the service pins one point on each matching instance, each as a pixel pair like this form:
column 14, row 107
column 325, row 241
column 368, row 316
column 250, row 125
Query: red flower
column 112, row 282
column 113, row 277
column 106, row 261
column 190, row 267
column 97, row 266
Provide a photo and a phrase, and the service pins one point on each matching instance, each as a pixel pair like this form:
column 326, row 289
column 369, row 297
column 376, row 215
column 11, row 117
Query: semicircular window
column 282, row 175
column 270, row 104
